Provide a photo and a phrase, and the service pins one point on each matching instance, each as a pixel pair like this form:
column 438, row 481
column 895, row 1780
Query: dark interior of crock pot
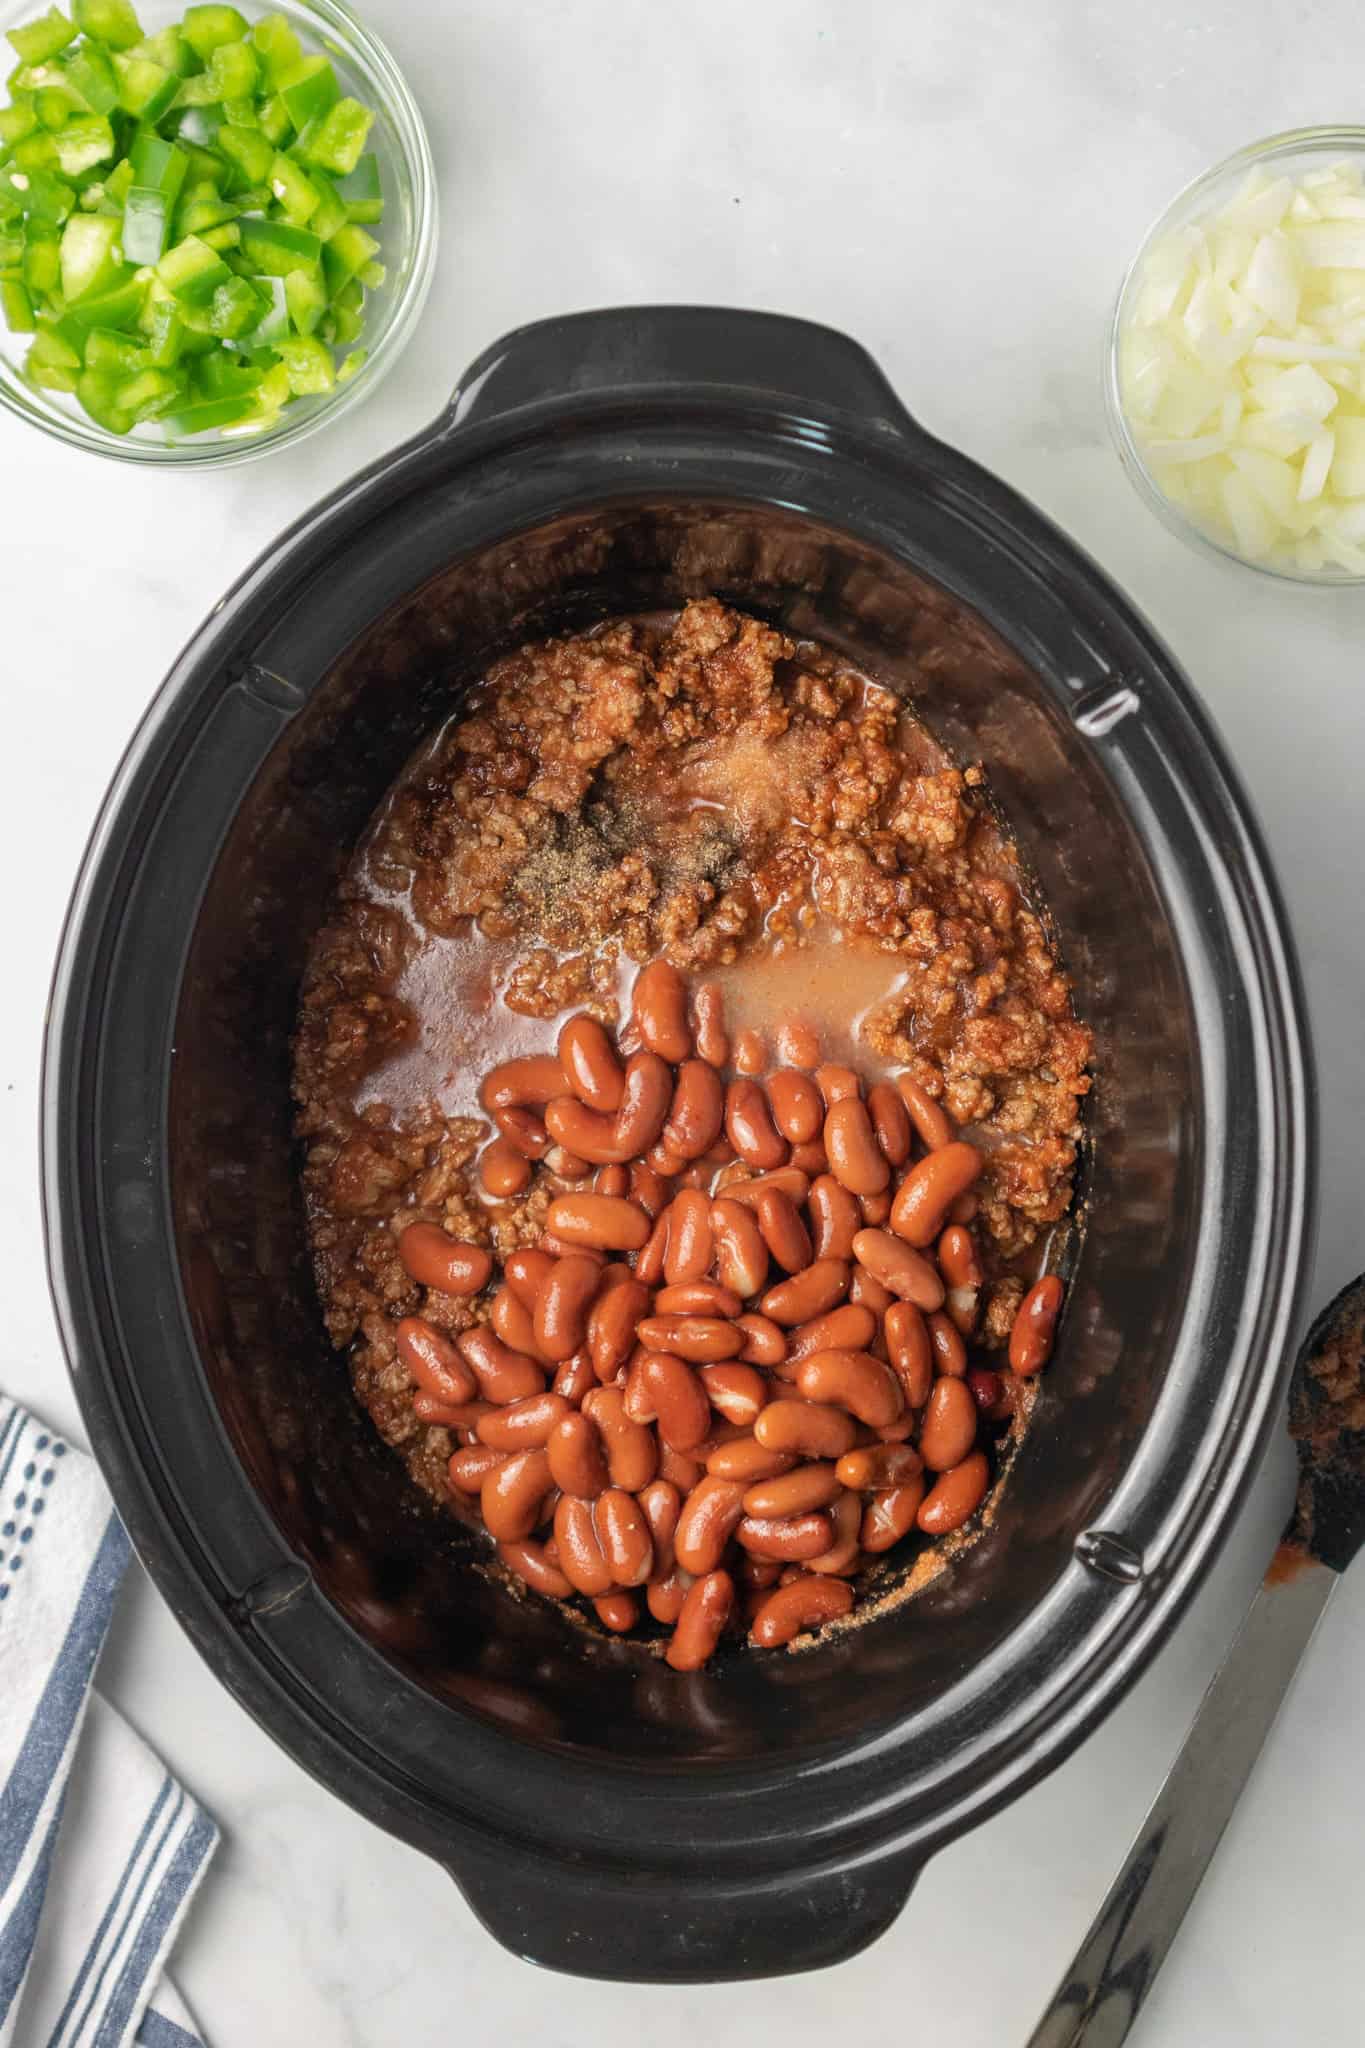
column 341, row 1499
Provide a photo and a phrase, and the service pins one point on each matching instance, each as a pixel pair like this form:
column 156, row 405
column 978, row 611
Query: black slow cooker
column 600, row 1812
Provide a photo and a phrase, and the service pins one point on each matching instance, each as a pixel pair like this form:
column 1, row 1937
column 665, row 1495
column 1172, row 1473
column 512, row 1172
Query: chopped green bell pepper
column 36, row 41
column 294, row 190
column 82, row 143
column 206, row 28
column 112, row 22
column 278, row 48
column 337, row 142
column 276, row 248
column 192, row 272
column 250, row 152
column 146, row 89
column 308, row 363
column 306, row 297
column 95, row 390
column 16, row 306
column 233, row 68
column 91, row 256
column 309, row 90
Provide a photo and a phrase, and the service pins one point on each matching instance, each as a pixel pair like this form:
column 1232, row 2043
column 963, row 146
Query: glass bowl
column 1294, row 152
column 407, row 235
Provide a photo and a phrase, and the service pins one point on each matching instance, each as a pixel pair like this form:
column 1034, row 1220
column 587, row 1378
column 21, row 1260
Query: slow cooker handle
column 632, row 1927
column 661, row 349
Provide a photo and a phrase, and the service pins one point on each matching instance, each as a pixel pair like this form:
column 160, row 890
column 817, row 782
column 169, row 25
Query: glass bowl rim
column 1320, row 139
column 373, row 57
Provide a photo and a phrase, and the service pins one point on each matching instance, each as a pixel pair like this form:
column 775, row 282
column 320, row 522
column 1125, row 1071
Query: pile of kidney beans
column 735, row 1367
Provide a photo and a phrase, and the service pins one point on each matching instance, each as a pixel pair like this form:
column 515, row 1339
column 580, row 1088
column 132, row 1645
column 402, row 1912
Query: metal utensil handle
column 1116, row 1965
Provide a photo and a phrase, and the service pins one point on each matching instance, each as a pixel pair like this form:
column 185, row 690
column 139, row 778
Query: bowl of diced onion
column 1236, row 375
column 217, row 225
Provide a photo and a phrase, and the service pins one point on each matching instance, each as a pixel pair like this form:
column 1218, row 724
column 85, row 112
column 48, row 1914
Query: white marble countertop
column 958, row 187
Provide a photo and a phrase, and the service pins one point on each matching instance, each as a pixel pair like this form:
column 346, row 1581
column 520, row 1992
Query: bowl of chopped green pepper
column 215, row 233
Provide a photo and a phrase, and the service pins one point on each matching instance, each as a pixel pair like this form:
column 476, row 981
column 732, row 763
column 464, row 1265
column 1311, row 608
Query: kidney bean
column 890, row 1121
column 704, row 1340
column 964, row 1209
column 523, row 1425
column 910, row 1351
column 836, row 1084
column 525, row 1272
column 783, row 1231
column 659, row 1006
column 987, row 1389
column 632, row 1452
column 598, row 1222
column 649, row 1265
column 623, row 1537
column 867, row 1291
column 789, row 1540
column 513, row 1322
column 504, row 1376
column 580, row 1551
column 565, row 1165
column 750, row 1054
column 529, row 1561
column 948, row 1430
column 690, row 1247
column 697, row 1298
column 578, row 1463
column 945, row 1341
column 516, row 1083
column 890, row 1514
column 803, row 1603
column 811, row 1158
column 901, row 1270
column 1035, row 1326
column 787, row 1180
column 736, row 1390
column 435, row 1259
column 745, row 1459
column 696, row 1115
column 854, row 1380
column 708, row 1520
column 611, row 1180
column 764, row 1342
column 795, row 1493
column 835, row 1217
column 503, row 1170
column 957, row 1257
column 875, row 1209
column 575, row 1378
column 469, row 1467
column 590, row 1065
column 523, row 1129
column 956, row 1495
column 661, row 1504
column 806, row 1294
column 510, row 1497
column 806, row 1429
column 933, row 1125
column 612, row 1320
column 434, row 1363
column 679, row 1469
column 855, row 1158
column 664, row 1597
column 662, row 1388
column 797, row 1109
column 750, row 1128
column 741, row 1254
column 561, row 1314
column 460, row 1416
column 798, row 1043
column 648, row 1189
column 849, row 1328
column 645, row 1104
column 929, row 1190
column 845, row 1553
column 701, row 1621
column 617, row 1611
column 875, row 1466
column 587, row 1133
column 756, row 1575
column 712, row 1044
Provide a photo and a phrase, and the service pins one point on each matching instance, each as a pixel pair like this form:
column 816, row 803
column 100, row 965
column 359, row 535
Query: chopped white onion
column 1242, row 369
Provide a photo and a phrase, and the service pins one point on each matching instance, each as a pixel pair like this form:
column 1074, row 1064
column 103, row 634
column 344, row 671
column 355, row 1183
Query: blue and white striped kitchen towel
column 100, row 1849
